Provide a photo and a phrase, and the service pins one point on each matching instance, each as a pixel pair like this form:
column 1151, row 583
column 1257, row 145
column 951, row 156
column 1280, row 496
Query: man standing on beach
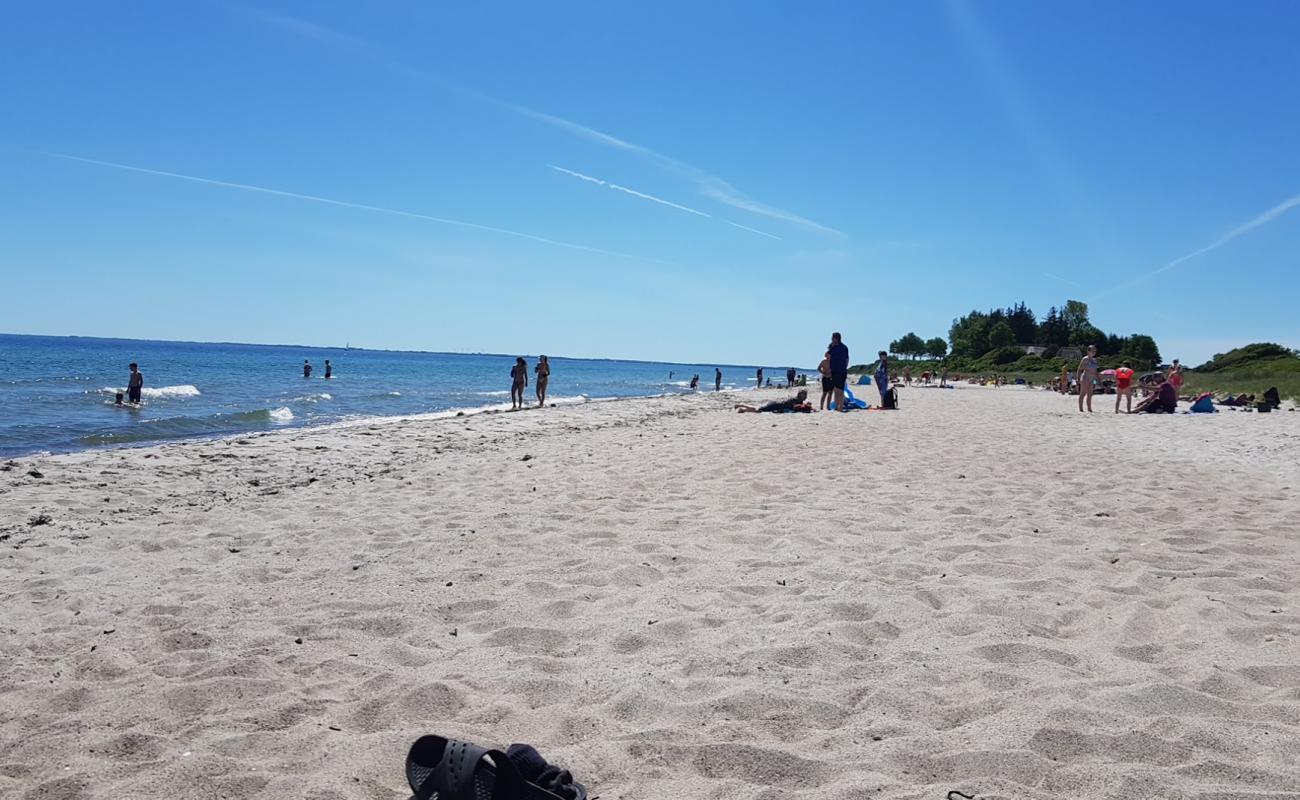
column 824, row 370
column 134, row 384
column 759, row 383
column 789, row 377
column 717, row 380
column 838, row 355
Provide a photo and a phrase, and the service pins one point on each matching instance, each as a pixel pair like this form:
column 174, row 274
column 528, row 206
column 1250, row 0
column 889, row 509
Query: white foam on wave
column 157, row 392
column 312, row 398
column 280, row 414
column 502, row 393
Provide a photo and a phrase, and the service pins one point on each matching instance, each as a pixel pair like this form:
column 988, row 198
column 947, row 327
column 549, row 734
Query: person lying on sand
column 796, row 403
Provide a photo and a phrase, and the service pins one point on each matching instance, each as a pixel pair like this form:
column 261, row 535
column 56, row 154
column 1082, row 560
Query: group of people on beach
column 834, row 372
column 1160, row 391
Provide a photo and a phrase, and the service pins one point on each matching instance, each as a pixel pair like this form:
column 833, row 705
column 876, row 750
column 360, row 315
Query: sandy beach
column 985, row 591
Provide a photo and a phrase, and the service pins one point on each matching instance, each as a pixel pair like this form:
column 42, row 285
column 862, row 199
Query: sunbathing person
column 1164, row 400
column 793, row 404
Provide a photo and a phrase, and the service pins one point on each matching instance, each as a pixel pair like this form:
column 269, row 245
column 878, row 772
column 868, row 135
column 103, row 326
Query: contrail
column 706, row 183
column 754, row 230
column 346, row 204
column 632, row 192
column 1263, row 219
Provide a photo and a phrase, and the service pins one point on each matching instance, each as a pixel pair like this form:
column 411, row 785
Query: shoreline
column 985, row 591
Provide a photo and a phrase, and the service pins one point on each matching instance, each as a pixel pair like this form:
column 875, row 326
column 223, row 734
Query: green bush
column 1248, row 355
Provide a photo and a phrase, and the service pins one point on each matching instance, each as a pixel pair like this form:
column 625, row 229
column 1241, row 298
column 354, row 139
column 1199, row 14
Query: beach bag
column 1203, row 405
column 890, row 399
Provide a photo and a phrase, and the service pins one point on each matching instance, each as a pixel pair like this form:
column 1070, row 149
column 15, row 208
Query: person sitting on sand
column 518, row 380
column 1272, row 397
column 796, row 403
column 1164, row 400
column 543, row 378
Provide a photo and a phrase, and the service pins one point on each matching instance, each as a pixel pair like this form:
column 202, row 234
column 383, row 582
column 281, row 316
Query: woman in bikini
column 1088, row 376
column 543, row 377
column 518, row 380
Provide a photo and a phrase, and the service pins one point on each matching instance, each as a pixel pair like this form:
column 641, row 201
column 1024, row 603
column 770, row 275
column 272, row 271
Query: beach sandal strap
column 437, row 767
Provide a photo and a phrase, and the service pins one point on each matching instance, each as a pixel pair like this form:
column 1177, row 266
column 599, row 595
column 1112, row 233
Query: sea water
column 57, row 393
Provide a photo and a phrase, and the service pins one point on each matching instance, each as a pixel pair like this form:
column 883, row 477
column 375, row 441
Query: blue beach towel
column 1203, row 405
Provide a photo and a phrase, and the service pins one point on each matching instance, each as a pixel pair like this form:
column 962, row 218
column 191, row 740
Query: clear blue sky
column 764, row 172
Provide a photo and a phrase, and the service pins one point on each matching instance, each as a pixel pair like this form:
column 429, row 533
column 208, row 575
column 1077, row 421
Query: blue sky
column 723, row 181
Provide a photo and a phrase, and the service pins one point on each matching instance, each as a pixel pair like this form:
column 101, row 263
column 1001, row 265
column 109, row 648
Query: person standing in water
column 717, row 380
column 135, row 384
column 543, row 378
column 758, row 384
column 306, row 368
column 518, row 380
column 695, row 382
column 329, row 371
column 1088, row 376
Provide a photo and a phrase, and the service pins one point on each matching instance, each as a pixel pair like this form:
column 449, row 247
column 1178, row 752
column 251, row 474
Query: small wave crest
column 280, row 414
column 312, row 398
column 158, row 392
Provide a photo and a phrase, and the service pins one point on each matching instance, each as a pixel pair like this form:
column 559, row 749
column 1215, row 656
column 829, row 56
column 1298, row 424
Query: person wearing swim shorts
column 135, row 384
column 717, row 379
column 1088, row 376
column 1124, row 385
column 839, row 364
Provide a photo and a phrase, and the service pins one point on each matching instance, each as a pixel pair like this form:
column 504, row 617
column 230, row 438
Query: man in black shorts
column 838, row 355
column 135, row 385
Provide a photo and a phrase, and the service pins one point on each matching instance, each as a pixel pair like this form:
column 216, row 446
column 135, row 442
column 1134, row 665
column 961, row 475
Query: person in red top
column 1124, row 386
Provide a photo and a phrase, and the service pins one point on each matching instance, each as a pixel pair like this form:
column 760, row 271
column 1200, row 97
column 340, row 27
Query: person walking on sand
column 543, row 378
column 907, row 376
column 329, row 370
column 306, row 368
column 518, row 380
column 838, row 355
column 134, row 384
column 824, row 370
column 1088, row 376
column 717, row 379
column 1124, row 385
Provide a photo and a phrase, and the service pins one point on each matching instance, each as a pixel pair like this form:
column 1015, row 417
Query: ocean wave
column 280, row 414
column 158, row 392
column 180, row 427
column 312, row 398
column 502, row 393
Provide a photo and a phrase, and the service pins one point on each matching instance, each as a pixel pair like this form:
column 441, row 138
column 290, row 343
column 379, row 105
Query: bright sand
column 985, row 591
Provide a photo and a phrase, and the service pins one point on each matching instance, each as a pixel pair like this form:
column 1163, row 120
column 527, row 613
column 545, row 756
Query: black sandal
column 445, row 769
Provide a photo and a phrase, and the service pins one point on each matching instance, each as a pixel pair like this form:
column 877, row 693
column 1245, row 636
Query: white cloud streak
column 1241, row 230
column 347, row 204
column 707, row 184
column 632, row 192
